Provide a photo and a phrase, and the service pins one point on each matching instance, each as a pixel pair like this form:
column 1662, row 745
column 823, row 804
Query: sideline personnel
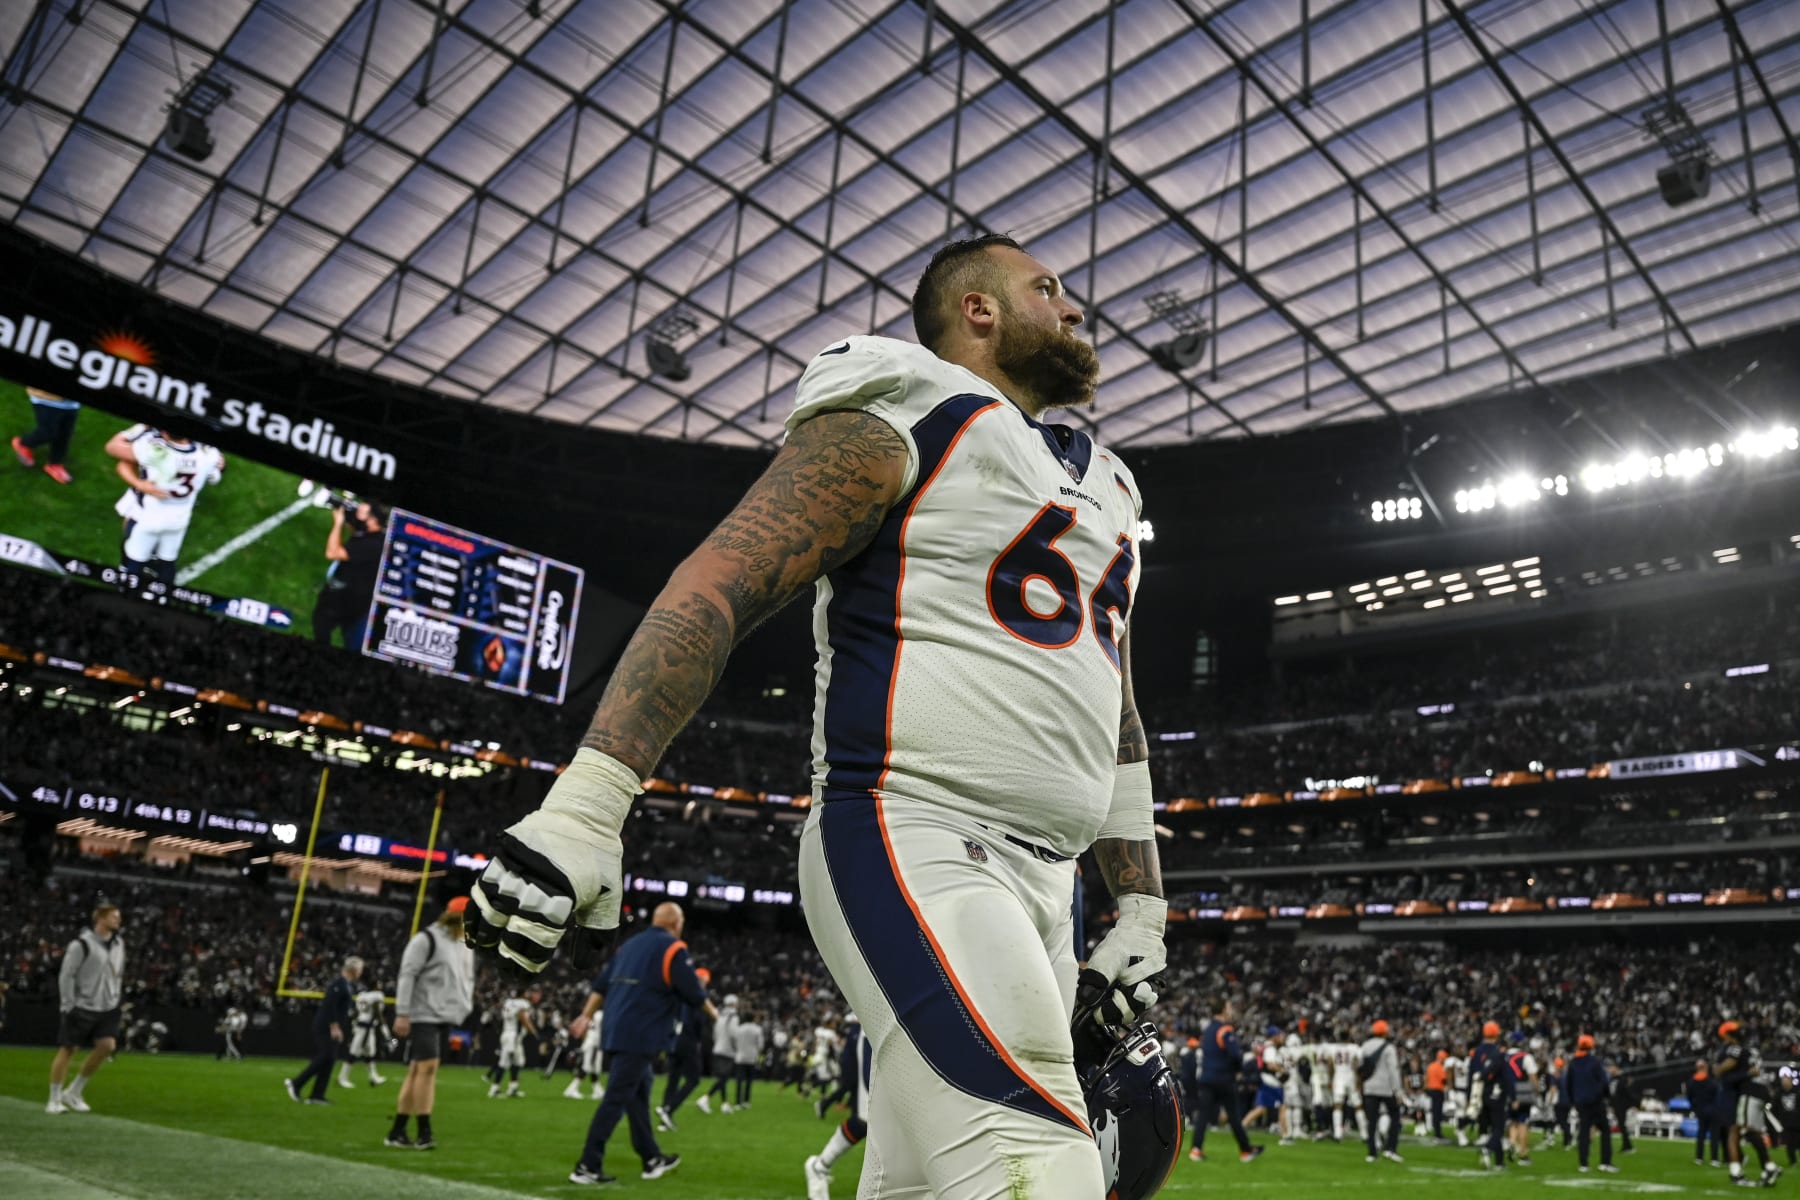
column 643, row 987
column 88, row 990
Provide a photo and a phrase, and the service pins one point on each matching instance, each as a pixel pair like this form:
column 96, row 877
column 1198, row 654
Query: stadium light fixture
column 1286, row 600
column 1497, row 567
column 1385, row 580
column 1458, row 599
column 1437, row 603
column 1423, row 583
column 1414, row 575
column 186, row 131
column 1318, row 595
column 1146, row 532
column 1403, row 508
column 1393, row 591
column 1527, row 562
column 1503, row 589
column 1363, row 587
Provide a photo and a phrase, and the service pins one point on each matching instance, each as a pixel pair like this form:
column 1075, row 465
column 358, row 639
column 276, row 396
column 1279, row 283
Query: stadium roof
column 500, row 200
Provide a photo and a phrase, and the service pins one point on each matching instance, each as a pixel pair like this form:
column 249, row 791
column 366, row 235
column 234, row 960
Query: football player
column 975, row 570
column 366, row 1035
column 858, row 1055
column 164, row 474
column 230, row 1028
column 515, row 1023
column 588, row 1063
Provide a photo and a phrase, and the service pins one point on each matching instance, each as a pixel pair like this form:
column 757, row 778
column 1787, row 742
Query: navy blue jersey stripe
column 915, row 981
column 863, row 615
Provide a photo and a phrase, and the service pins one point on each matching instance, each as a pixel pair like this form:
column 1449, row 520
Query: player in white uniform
column 515, row 1023
column 368, row 1007
column 1457, row 1067
column 588, row 1065
column 164, row 475
column 1341, row 1059
column 231, row 1027
column 974, row 726
column 821, row 1066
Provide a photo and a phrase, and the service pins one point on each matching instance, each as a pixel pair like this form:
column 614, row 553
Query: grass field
column 179, row 1126
column 284, row 567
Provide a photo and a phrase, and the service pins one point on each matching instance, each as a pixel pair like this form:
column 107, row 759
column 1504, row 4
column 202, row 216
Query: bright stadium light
column 1318, row 595
column 1402, row 508
column 1146, row 532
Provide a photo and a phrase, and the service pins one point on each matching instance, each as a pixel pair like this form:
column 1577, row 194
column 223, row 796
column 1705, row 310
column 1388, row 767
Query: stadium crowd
column 210, row 944
column 1641, row 682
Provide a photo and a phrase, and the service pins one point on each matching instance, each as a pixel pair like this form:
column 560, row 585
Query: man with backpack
column 1379, row 1071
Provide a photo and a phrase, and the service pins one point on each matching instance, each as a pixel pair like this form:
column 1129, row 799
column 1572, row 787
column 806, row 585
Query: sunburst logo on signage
column 128, row 346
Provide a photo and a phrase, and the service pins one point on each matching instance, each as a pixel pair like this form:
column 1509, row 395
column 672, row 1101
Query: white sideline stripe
column 255, row 533
column 18, row 1179
column 257, row 1163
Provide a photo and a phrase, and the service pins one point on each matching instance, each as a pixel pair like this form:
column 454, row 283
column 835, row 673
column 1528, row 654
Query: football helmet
column 1133, row 1106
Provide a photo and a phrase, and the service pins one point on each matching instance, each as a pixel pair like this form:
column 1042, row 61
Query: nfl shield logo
column 1070, row 468
column 977, row 852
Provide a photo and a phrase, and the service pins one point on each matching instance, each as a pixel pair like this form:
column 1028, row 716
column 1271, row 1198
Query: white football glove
column 1124, row 974
column 560, row 868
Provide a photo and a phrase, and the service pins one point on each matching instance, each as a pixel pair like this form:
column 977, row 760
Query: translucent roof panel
column 1363, row 208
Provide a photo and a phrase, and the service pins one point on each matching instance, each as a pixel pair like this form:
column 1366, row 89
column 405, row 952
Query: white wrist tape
column 1131, row 817
column 595, row 789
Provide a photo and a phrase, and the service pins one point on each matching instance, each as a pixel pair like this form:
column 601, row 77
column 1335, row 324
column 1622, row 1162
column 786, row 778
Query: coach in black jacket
column 329, row 1024
column 1585, row 1084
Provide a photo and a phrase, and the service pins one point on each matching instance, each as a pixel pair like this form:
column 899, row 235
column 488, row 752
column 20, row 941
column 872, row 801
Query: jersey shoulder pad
column 899, row 382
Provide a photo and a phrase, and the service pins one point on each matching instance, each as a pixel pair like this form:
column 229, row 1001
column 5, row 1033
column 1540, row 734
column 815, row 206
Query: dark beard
column 1059, row 369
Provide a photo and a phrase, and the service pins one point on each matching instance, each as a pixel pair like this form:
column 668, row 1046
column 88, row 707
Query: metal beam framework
column 1272, row 342
column 1479, row 44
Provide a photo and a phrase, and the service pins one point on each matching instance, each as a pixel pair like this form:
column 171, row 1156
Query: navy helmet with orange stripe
column 1133, row 1106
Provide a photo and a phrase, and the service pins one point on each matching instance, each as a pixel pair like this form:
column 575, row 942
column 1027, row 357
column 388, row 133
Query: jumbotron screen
column 175, row 521
column 461, row 604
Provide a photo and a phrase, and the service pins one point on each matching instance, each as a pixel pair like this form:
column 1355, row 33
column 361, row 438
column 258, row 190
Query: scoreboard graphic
column 460, row 604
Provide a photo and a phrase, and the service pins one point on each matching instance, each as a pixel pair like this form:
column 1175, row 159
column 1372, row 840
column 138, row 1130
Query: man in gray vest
column 88, row 993
column 1382, row 1084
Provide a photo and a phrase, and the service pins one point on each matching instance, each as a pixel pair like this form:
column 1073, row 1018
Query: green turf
column 284, row 568
column 178, row 1126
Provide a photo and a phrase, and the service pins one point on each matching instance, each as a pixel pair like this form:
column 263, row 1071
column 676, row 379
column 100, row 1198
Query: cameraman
column 355, row 565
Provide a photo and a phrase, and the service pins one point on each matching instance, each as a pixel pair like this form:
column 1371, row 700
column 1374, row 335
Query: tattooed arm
column 818, row 505
column 1130, row 865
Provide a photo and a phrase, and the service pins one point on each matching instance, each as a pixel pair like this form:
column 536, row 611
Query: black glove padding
column 1115, row 1004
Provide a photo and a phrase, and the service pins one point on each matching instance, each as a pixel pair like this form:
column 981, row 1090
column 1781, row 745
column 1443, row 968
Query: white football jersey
column 368, row 1007
column 825, row 1043
column 969, row 657
column 180, row 468
column 512, row 1016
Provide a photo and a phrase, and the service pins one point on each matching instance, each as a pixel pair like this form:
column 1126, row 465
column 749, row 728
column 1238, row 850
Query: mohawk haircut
column 957, row 268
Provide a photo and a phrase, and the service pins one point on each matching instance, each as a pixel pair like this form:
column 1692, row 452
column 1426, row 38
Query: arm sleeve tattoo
column 818, row 505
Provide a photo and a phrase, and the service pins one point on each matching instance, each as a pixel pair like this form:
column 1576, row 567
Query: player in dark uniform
column 1491, row 1080
column 1740, row 1107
